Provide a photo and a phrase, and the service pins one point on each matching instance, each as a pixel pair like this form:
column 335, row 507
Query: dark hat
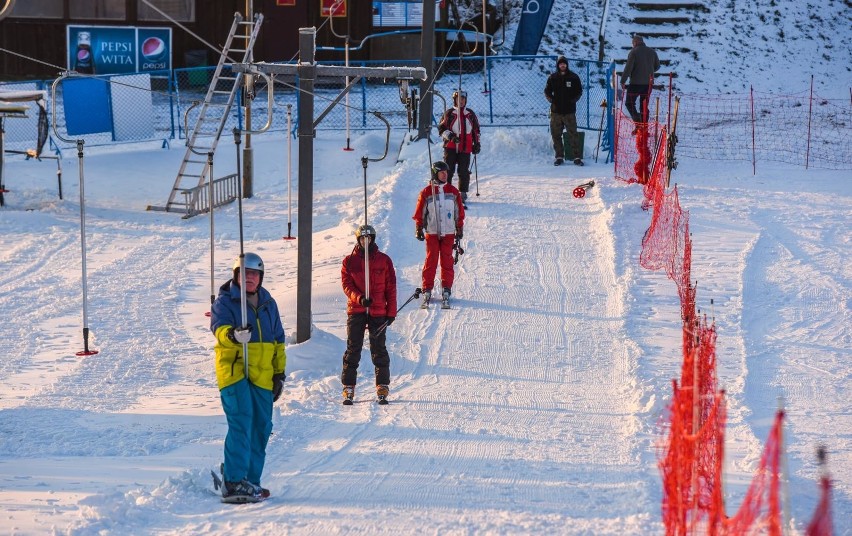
column 561, row 59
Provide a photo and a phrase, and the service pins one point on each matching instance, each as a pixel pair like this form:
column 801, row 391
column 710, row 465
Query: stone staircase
column 663, row 25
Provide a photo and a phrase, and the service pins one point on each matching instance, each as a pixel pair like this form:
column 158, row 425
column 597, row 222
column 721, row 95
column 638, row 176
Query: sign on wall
column 337, row 8
column 400, row 14
column 118, row 49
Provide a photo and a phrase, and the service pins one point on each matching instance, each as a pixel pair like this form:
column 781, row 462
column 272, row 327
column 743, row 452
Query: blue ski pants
column 248, row 409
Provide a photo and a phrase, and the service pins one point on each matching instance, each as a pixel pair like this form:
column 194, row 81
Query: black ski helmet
column 365, row 230
column 252, row 262
column 439, row 165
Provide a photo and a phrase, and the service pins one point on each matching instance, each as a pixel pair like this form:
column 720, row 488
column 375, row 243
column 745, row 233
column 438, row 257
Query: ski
column 242, row 499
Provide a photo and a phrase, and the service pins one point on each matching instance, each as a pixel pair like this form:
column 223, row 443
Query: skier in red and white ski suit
column 439, row 220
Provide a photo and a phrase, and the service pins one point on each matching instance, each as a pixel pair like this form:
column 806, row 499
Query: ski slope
column 534, row 405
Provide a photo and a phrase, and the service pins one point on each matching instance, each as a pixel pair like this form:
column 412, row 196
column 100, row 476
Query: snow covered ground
column 533, row 406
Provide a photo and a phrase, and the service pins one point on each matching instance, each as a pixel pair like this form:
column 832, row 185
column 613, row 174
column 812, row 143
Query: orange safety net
column 691, row 460
column 803, row 129
column 761, row 508
column 820, row 525
column 636, row 144
column 691, row 464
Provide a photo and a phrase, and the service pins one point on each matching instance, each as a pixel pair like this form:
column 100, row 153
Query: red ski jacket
column 382, row 282
column 466, row 131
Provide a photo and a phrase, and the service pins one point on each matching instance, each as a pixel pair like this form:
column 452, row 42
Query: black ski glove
column 418, row 233
column 389, row 320
column 476, row 148
column 277, row 385
column 365, row 301
column 459, row 233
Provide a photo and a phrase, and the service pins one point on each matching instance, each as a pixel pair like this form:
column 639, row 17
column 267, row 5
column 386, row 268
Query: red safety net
column 820, row 524
column 636, row 145
column 803, row 129
column 691, row 458
column 691, row 464
column 760, row 512
column 662, row 245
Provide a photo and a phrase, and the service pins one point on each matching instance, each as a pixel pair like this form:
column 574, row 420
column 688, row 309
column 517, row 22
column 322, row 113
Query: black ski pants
column 643, row 93
column 356, row 324
column 455, row 159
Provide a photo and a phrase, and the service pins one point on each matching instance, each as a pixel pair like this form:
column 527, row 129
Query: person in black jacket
column 563, row 90
column 642, row 63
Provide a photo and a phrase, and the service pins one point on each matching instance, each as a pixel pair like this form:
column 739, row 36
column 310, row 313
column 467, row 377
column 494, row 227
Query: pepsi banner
column 534, row 19
column 118, row 49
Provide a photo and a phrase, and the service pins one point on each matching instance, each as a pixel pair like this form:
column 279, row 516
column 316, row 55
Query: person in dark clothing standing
column 642, row 63
column 371, row 306
column 459, row 127
column 563, row 90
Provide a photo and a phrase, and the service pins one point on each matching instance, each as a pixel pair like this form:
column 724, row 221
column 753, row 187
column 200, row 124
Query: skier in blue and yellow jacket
column 247, row 402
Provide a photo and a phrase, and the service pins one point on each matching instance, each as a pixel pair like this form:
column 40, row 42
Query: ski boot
column 445, row 299
column 348, row 394
column 426, row 295
column 242, row 492
column 382, row 394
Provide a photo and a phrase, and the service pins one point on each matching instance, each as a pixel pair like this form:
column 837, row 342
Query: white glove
column 240, row 335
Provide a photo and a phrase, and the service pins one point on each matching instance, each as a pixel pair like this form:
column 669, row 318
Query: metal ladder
column 212, row 115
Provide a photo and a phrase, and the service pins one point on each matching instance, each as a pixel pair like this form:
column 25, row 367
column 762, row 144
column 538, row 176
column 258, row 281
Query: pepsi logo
column 153, row 48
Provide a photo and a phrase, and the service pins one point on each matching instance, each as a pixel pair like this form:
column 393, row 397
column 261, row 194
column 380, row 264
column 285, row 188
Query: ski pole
column 212, row 234
column 476, row 175
column 289, row 174
column 414, row 296
column 243, row 300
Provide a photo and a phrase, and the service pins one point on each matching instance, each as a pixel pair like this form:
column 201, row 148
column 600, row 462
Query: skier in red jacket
column 439, row 221
column 371, row 306
column 459, row 128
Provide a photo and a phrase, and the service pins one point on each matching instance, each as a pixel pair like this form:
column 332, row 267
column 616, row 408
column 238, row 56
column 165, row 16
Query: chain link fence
column 505, row 91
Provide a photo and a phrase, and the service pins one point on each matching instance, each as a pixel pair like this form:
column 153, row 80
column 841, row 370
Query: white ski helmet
column 252, row 262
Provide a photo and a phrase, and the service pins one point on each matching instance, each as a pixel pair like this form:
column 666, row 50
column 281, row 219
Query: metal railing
column 197, row 199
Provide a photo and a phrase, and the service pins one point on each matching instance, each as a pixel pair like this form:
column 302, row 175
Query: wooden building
column 37, row 29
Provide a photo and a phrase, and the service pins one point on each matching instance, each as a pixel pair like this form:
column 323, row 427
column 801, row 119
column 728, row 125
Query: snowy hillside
column 774, row 45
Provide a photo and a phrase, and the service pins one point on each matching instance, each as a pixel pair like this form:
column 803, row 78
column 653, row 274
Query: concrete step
column 662, row 35
column 657, row 6
column 661, row 20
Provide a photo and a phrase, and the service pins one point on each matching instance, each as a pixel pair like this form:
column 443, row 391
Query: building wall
column 44, row 39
